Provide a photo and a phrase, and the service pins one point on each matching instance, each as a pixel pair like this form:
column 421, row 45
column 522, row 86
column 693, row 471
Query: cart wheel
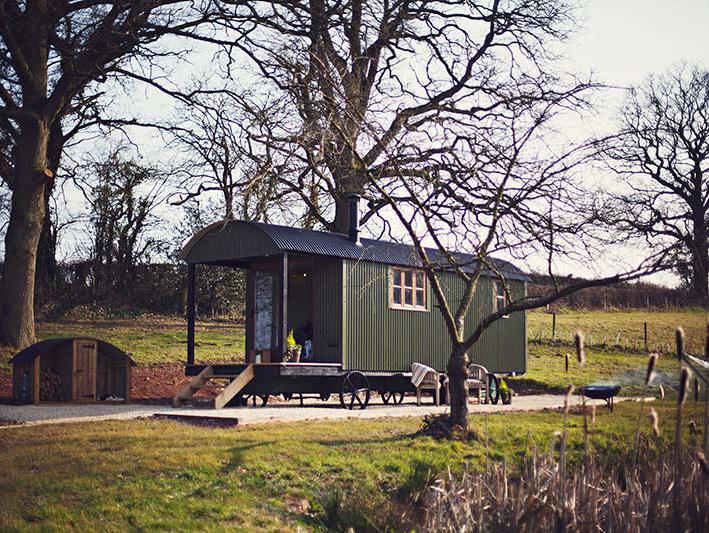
column 324, row 396
column 354, row 391
column 493, row 389
column 259, row 400
column 395, row 398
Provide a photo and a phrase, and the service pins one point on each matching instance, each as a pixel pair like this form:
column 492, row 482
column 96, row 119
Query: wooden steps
column 199, row 381
column 207, row 373
column 231, row 390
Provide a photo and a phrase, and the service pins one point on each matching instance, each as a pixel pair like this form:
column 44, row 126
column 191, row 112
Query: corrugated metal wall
column 379, row 338
column 327, row 309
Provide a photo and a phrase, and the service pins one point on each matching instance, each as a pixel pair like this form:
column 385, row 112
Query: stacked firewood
column 50, row 386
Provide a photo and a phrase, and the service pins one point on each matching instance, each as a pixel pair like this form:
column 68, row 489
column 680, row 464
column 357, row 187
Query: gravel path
column 288, row 412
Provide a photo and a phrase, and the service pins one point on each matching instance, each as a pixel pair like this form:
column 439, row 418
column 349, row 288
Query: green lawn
column 156, row 340
column 624, row 327
column 546, row 369
column 607, row 360
column 149, row 474
column 153, row 341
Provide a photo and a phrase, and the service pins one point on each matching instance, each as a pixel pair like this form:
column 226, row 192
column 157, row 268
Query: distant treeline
column 160, row 288
column 639, row 295
column 146, row 288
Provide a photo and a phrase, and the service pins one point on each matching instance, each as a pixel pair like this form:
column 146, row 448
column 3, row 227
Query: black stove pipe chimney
column 354, row 218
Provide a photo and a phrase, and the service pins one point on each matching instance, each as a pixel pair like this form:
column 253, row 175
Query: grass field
column 155, row 340
column 624, row 329
column 149, row 474
column 546, row 370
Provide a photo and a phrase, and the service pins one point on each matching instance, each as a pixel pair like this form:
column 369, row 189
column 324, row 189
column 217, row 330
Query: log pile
column 50, row 386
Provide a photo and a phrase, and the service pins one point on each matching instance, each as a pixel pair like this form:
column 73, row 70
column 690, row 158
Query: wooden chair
column 431, row 382
column 478, row 380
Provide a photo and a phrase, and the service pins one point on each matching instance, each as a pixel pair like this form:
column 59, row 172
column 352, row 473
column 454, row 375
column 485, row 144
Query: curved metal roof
column 235, row 240
column 38, row 348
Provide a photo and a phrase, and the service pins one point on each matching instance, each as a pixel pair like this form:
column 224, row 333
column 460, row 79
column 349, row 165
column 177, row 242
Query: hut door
column 85, row 370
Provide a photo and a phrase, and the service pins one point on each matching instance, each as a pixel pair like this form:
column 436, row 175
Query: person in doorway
column 304, row 337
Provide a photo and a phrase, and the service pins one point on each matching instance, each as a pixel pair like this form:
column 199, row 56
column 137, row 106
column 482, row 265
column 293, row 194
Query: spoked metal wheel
column 394, row 397
column 354, row 391
column 257, row 400
column 493, row 389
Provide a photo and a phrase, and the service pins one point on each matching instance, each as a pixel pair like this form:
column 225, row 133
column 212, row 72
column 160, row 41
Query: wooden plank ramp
column 231, row 390
column 197, row 383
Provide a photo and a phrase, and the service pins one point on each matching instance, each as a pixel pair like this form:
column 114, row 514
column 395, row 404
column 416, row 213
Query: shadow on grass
column 525, row 386
column 334, row 443
column 236, row 454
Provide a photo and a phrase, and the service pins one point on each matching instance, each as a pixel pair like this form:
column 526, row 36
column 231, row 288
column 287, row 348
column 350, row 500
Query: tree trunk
column 47, row 269
column 47, row 272
column 457, row 374
column 341, row 224
column 22, row 237
column 700, row 261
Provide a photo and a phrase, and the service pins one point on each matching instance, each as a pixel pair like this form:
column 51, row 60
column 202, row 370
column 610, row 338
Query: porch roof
column 238, row 240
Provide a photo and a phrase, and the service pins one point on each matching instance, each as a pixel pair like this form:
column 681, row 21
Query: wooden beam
column 127, row 394
column 231, row 390
column 250, row 315
column 197, row 383
column 190, row 312
column 35, row 378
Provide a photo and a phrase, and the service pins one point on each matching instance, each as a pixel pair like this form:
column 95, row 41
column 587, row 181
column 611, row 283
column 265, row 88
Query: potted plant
column 293, row 350
column 505, row 392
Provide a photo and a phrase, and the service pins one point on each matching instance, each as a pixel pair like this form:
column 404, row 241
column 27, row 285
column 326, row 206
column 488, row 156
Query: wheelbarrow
column 602, row 392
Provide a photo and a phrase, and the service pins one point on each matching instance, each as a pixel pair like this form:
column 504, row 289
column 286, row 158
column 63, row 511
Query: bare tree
column 53, row 57
column 501, row 188
column 662, row 155
column 403, row 65
column 122, row 195
column 215, row 133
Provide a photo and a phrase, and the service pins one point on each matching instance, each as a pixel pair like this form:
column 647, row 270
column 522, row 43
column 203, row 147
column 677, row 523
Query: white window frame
column 403, row 287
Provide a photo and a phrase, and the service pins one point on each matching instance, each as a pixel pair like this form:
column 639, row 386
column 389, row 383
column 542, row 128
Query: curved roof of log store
column 236, row 240
column 105, row 348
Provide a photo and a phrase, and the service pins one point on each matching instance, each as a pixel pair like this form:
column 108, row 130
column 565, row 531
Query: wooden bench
column 431, row 382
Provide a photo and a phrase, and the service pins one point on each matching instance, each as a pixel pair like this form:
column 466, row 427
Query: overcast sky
column 620, row 41
column 624, row 41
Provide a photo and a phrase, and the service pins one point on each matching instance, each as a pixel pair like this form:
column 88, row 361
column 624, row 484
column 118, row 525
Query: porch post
column 190, row 312
column 283, row 305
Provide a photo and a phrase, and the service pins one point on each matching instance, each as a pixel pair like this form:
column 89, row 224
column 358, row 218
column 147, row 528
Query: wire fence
column 609, row 340
column 634, row 336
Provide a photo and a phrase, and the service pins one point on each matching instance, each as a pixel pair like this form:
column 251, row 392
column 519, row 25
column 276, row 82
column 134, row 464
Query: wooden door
column 84, row 371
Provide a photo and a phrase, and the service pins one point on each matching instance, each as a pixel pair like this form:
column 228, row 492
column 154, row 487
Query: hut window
column 408, row 289
column 501, row 296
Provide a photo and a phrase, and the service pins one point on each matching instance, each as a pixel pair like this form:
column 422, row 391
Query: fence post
column 645, row 327
column 553, row 327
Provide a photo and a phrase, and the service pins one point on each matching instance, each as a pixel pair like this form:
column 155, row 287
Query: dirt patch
column 151, row 384
column 159, row 383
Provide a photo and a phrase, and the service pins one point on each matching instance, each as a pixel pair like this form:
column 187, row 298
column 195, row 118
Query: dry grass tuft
column 620, row 498
column 439, row 426
column 580, row 350
column 652, row 362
